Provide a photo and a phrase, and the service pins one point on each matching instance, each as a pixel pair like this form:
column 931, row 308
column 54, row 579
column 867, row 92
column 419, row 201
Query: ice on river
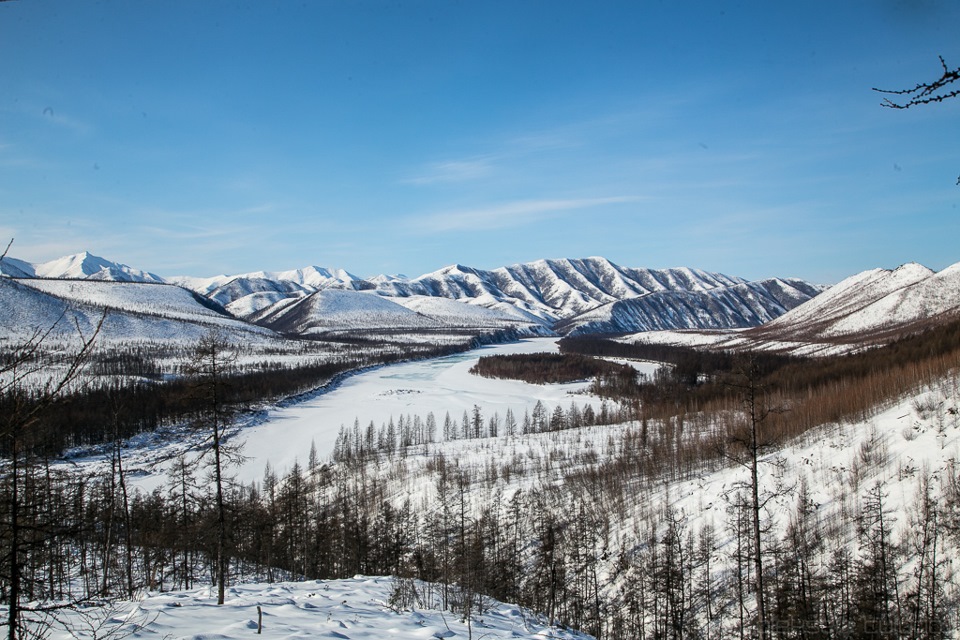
column 439, row 385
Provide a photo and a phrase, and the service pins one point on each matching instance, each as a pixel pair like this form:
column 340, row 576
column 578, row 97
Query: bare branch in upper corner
column 925, row 92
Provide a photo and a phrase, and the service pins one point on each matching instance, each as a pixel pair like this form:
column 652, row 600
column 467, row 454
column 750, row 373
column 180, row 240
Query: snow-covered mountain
column 550, row 289
column 134, row 311
column 746, row 304
column 564, row 295
column 331, row 310
column 80, row 266
column 307, row 279
column 872, row 304
column 871, row 307
column 547, row 292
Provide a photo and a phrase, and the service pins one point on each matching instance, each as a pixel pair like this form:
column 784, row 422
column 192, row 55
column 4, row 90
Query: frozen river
column 440, row 385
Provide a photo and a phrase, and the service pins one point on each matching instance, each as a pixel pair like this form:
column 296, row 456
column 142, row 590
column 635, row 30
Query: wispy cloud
column 511, row 214
column 66, row 121
column 453, row 171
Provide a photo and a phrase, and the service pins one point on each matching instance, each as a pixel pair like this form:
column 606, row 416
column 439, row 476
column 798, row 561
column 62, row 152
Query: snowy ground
column 357, row 609
column 282, row 435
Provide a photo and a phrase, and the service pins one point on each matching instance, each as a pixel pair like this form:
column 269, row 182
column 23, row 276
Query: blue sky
column 398, row 137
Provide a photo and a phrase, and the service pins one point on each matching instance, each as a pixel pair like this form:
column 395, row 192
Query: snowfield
column 281, row 436
column 135, row 312
column 354, row 609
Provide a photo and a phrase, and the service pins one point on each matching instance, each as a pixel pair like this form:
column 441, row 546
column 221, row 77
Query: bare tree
column 32, row 379
column 210, row 364
column 751, row 439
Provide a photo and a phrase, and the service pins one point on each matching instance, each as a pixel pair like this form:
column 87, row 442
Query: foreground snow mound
column 356, row 609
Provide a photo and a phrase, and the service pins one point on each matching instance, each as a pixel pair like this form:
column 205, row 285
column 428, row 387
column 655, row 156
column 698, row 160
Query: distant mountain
column 308, row 279
column 80, row 266
column 563, row 295
column 555, row 289
column 871, row 306
column 134, row 311
column 332, row 310
column 601, row 295
column 747, row 304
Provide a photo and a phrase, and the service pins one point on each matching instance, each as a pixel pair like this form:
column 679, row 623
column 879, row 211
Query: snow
column 924, row 298
column 284, row 435
column 312, row 276
column 351, row 609
column 253, row 303
column 439, row 385
column 135, row 311
column 874, row 300
column 454, row 313
column 336, row 310
column 901, row 442
column 88, row 266
column 154, row 299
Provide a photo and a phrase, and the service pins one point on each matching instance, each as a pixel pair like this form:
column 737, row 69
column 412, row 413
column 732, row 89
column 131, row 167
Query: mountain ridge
column 556, row 294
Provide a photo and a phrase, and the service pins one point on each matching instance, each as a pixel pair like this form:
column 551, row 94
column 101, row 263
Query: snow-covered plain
column 283, row 435
column 355, row 609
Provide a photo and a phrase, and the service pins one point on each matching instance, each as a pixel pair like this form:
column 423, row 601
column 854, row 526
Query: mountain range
column 563, row 296
column 566, row 296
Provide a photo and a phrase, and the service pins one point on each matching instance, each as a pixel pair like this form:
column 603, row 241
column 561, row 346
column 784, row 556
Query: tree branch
column 925, row 92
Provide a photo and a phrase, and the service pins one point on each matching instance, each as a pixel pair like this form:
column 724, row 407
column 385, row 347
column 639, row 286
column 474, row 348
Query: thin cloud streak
column 453, row 171
column 511, row 214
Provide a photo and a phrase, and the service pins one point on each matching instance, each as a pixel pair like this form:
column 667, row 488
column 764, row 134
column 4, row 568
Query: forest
column 548, row 368
column 570, row 511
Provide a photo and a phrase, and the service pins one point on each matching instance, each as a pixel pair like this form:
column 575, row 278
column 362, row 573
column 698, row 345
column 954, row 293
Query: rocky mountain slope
column 565, row 295
column 872, row 307
column 872, row 304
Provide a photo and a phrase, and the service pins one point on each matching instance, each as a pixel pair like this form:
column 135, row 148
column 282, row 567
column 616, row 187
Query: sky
column 201, row 138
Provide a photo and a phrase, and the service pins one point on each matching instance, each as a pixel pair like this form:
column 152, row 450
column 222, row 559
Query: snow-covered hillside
column 362, row 608
column 338, row 310
column 134, row 311
column 871, row 307
column 873, row 302
column 747, row 304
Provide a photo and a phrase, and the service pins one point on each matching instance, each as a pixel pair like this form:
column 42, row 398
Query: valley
column 795, row 470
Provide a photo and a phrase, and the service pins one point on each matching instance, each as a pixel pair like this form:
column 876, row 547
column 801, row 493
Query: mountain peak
column 87, row 266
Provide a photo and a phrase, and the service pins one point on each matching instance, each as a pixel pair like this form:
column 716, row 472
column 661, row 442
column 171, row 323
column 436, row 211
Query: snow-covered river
column 438, row 385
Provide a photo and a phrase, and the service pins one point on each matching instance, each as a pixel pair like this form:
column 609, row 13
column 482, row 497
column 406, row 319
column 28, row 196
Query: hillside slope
column 134, row 311
column 869, row 308
column 741, row 305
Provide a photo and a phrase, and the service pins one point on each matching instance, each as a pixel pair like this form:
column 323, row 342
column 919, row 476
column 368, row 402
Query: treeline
column 547, row 368
column 688, row 366
column 816, row 391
